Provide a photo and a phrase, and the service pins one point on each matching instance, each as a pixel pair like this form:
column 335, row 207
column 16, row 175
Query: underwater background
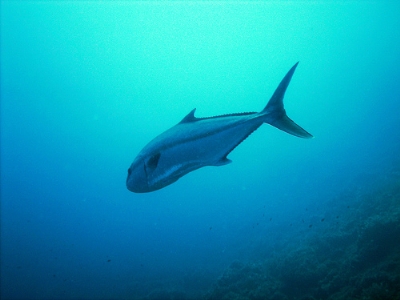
column 86, row 85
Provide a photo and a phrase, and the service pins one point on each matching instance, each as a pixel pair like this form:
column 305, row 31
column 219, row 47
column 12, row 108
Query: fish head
column 138, row 174
column 146, row 175
column 137, row 179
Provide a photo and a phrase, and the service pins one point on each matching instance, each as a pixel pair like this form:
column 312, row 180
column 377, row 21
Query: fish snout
column 136, row 180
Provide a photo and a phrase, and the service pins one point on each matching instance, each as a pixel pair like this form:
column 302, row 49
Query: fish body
column 198, row 142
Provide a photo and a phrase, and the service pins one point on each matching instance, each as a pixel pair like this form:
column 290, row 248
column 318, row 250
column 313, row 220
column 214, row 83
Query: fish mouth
column 136, row 184
column 137, row 188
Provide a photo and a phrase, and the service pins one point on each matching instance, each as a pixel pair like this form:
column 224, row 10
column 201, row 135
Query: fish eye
column 129, row 171
column 153, row 161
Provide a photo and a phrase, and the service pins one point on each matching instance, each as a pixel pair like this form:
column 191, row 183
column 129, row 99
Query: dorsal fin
column 189, row 117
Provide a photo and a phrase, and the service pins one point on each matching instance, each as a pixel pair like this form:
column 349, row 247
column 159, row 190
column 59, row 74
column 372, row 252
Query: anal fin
column 222, row 162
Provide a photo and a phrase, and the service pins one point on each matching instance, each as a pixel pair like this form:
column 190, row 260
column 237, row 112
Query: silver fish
column 198, row 142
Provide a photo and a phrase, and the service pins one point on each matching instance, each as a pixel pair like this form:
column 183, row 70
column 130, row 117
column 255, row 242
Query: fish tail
column 275, row 112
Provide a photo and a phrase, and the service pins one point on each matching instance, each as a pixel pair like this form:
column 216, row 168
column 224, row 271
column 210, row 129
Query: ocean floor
column 352, row 251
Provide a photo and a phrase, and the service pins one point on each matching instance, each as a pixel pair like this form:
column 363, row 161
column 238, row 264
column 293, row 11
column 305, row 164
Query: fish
column 194, row 142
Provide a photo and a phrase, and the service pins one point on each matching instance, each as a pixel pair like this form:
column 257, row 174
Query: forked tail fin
column 275, row 112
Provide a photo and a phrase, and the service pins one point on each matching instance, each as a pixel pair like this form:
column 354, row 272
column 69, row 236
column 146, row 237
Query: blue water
column 85, row 86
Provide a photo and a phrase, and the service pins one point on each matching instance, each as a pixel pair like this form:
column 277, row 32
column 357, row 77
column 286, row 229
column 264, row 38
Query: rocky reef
column 355, row 255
